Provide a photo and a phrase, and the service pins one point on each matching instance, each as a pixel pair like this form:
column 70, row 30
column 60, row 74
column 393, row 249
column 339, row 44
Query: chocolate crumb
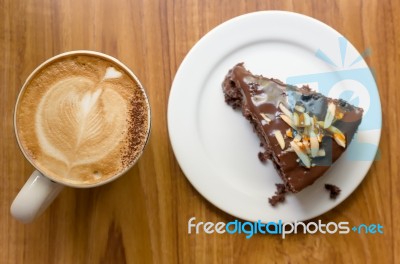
column 262, row 157
column 274, row 200
column 333, row 189
column 280, row 188
column 279, row 196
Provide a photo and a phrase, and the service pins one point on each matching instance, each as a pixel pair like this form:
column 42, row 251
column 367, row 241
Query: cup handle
column 34, row 197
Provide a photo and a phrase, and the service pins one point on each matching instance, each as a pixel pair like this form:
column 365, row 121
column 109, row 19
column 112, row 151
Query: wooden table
column 142, row 217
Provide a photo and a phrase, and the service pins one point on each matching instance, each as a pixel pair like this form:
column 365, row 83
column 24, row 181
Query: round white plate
column 215, row 145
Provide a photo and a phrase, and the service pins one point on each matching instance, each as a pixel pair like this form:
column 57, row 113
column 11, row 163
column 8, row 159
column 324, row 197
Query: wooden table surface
column 142, row 217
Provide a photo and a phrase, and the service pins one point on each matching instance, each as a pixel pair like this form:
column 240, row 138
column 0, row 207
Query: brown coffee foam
column 120, row 157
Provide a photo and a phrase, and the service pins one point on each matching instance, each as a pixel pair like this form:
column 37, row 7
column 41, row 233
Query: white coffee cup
column 40, row 189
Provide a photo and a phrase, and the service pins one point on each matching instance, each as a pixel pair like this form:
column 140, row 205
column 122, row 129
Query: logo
column 354, row 84
column 249, row 229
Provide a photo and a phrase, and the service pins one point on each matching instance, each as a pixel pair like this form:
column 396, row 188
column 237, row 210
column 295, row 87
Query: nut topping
column 330, row 114
column 296, row 119
column 321, row 153
column 301, row 154
column 279, row 138
column 297, row 138
column 299, row 108
column 338, row 136
column 287, row 120
column 266, row 118
column 307, row 119
column 285, row 110
column 308, row 132
column 314, row 144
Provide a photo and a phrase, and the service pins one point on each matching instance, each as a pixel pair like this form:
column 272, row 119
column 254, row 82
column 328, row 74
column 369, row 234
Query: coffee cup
column 82, row 119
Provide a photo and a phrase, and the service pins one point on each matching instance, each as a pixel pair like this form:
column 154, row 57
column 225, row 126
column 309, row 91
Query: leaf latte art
column 76, row 121
column 82, row 120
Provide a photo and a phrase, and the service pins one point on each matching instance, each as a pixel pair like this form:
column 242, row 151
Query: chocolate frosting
column 257, row 95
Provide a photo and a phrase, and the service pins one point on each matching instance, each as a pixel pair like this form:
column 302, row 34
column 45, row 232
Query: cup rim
column 104, row 56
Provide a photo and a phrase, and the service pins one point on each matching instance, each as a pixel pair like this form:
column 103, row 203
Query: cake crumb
column 333, row 189
column 262, row 156
column 279, row 196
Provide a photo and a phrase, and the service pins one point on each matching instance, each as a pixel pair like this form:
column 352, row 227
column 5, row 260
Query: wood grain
column 142, row 217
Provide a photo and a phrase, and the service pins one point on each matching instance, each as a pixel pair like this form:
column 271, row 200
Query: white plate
column 216, row 147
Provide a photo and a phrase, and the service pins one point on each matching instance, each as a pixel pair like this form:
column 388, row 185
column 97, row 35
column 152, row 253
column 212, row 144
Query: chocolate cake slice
column 303, row 132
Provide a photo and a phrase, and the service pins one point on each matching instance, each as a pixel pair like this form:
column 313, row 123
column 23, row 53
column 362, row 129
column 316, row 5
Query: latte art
column 76, row 121
column 82, row 119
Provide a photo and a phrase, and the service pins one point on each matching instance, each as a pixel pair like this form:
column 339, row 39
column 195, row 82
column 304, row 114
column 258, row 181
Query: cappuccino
column 82, row 119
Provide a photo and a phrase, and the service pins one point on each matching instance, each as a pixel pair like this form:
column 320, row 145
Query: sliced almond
column 338, row 136
column 314, row 144
column 306, row 131
column 306, row 146
column 296, row 119
column 330, row 114
column 320, row 136
column 287, row 120
column 340, row 139
column 334, row 129
column 297, row 138
column 300, row 108
column 285, row 110
column 307, row 119
column 266, row 118
column 279, row 138
column 300, row 145
column 289, row 149
column 321, row 153
column 301, row 154
column 289, row 133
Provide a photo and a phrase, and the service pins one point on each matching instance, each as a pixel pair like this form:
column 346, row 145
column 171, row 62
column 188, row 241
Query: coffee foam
column 75, row 119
